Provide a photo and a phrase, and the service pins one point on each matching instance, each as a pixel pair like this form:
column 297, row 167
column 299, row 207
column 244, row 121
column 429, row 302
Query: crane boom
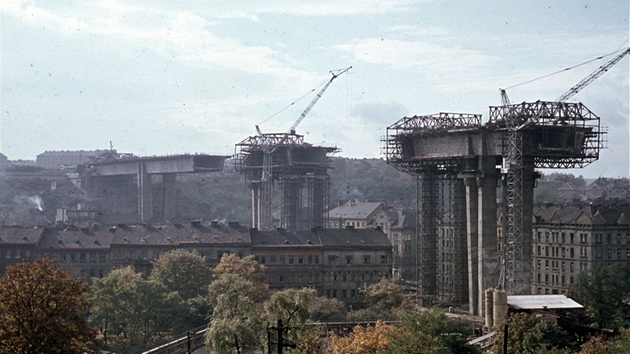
column 319, row 95
column 594, row 75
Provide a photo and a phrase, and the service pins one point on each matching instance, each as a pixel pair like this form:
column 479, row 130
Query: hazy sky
column 162, row 77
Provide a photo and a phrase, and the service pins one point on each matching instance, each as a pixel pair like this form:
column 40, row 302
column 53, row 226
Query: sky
column 157, row 77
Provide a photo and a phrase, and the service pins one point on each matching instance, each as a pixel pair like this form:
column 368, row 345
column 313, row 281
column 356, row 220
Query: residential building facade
column 569, row 239
column 334, row 262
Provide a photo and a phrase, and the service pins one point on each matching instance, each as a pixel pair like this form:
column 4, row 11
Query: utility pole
column 281, row 343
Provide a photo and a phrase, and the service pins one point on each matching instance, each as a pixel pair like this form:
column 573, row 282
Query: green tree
column 430, row 332
column 383, row 298
column 604, row 291
column 248, row 268
column 530, row 334
column 131, row 311
column 186, row 273
column 292, row 307
column 237, row 296
column 326, row 309
column 621, row 343
column 236, row 323
column 41, row 310
column 183, row 271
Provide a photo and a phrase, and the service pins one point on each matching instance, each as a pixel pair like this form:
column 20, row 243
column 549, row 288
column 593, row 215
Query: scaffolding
column 440, row 203
column 537, row 135
column 299, row 169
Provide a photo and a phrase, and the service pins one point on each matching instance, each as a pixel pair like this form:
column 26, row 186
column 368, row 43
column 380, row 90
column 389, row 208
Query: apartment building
column 569, row 239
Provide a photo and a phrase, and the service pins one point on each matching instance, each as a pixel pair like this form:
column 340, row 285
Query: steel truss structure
column 537, row 135
column 298, row 168
column 440, row 205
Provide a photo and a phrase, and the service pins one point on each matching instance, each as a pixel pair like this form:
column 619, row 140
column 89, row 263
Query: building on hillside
column 569, row 239
column 608, row 188
column 402, row 235
column 360, row 215
column 60, row 159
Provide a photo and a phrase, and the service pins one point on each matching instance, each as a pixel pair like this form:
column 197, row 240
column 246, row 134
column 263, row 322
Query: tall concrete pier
column 458, row 161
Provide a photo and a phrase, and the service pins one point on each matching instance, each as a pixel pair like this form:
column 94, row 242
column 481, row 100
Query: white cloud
column 252, row 9
column 417, row 56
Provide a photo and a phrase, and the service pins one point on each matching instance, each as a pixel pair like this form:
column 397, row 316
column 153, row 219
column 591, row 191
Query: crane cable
column 565, row 69
column 294, row 102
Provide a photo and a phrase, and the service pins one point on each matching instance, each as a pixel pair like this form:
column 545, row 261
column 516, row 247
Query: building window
column 290, row 259
column 282, row 259
column 300, row 260
column 348, row 259
column 367, row 259
column 331, row 259
column 101, row 258
column 272, row 259
column 316, row 259
column 262, row 260
column 383, row 259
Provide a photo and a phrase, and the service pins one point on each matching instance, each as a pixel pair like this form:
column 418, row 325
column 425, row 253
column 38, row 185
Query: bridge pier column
column 145, row 194
column 472, row 239
column 169, row 195
column 487, row 256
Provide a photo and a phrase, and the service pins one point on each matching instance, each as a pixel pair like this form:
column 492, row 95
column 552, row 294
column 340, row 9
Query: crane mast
column 263, row 218
column 317, row 97
column 513, row 168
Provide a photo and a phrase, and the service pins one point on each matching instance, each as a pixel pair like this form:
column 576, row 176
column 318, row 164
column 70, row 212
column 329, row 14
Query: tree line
column 44, row 309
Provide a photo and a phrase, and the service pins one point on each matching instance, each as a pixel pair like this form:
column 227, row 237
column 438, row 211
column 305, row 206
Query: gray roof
column 360, row 210
column 542, row 302
column 72, row 237
column 10, row 235
column 76, row 238
column 283, row 237
column 354, row 238
column 180, row 234
column 582, row 214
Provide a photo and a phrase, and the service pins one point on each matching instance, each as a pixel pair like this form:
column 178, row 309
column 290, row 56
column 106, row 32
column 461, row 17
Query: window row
column 288, row 259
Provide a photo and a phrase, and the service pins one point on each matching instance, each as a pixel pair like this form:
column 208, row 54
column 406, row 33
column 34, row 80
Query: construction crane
column 335, row 74
column 270, row 143
column 513, row 169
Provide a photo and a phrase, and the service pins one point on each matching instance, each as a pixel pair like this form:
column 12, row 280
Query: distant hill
column 225, row 196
